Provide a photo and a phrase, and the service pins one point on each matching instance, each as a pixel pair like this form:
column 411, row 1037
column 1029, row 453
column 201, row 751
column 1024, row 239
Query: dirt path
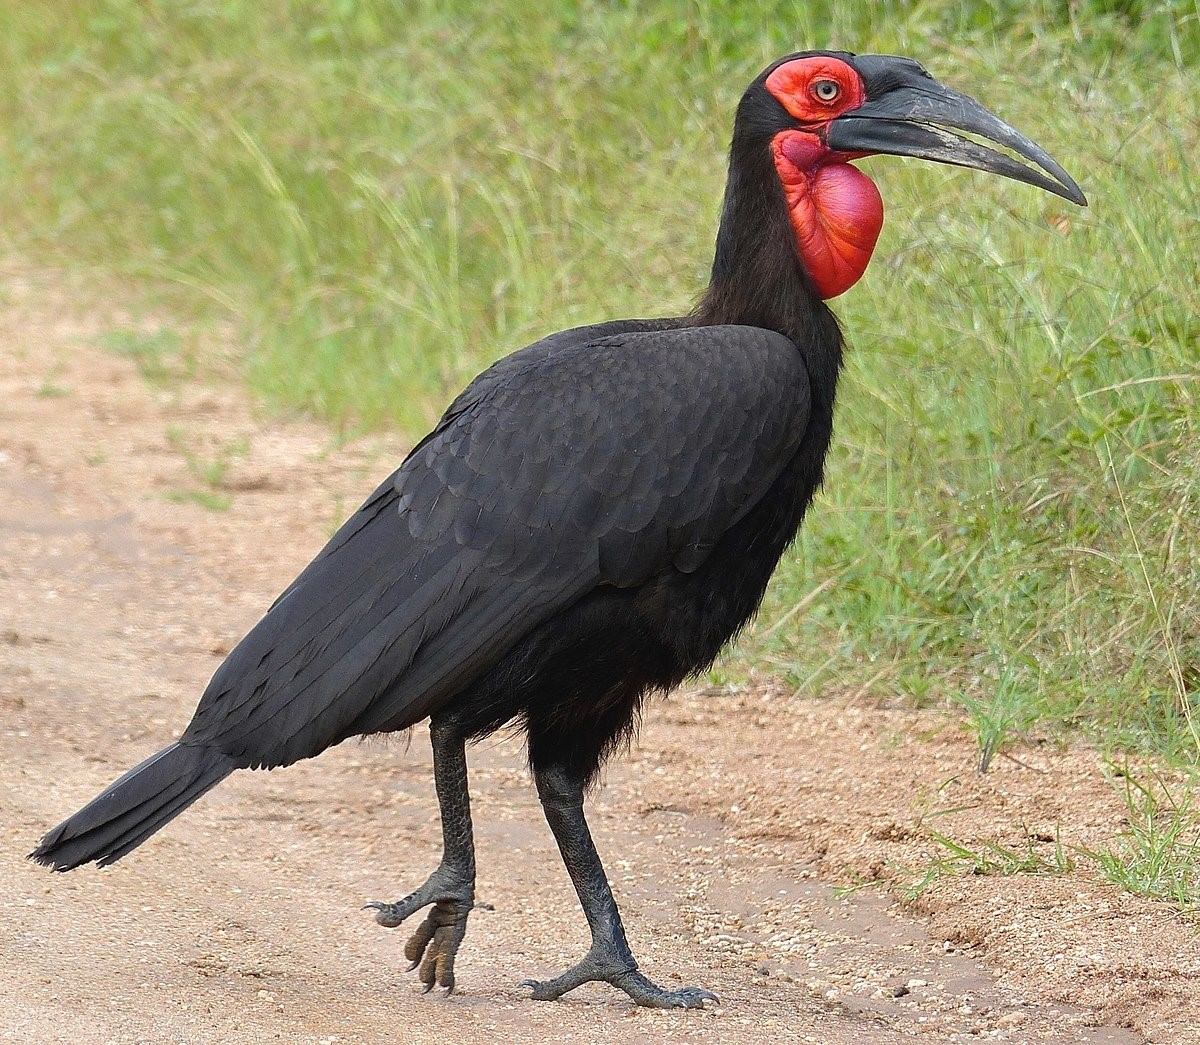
column 725, row 830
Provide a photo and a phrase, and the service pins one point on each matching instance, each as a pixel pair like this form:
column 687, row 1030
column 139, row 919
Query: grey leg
column 451, row 888
column 609, row 958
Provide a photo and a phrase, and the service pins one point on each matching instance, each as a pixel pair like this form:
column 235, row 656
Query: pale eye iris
column 826, row 90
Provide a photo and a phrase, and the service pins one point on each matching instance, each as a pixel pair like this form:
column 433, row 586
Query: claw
column 687, row 998
column 541, row 991
column 536, row 990
column 385, row 913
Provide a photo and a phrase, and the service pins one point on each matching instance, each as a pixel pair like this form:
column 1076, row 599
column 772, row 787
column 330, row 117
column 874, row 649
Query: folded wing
column 573, row 464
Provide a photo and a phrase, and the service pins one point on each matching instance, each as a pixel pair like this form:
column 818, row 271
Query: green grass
column 990, row 858
column 157, row 354
column 1158, row 854
column 210, row 475
column 51, row 388
column 383, row 197
column 210, row 499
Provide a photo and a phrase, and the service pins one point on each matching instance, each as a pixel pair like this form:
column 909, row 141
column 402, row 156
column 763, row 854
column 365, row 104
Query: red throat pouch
column 835, row 210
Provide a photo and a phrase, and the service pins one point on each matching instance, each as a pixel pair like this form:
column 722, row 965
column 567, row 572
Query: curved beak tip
column 914, row 115
column 1070, row 192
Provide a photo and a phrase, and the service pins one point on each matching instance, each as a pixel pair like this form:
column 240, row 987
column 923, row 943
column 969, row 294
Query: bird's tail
column 130, row 810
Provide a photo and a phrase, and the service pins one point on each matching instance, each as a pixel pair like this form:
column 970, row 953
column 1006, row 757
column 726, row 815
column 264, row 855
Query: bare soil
column 726, row 829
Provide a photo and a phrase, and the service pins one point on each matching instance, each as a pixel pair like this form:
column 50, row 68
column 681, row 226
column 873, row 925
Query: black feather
column 592, row 519
column 132, row 808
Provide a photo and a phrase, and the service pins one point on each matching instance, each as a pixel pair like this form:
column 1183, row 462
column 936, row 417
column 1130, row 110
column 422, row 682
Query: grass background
column 382, row 197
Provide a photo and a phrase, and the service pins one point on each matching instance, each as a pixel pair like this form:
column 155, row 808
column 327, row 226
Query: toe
column 388, row 915
column 542, row 991
column 444, row 971
column 428, row 972
column 648, row 993
column 446, row 944
column 417, row 944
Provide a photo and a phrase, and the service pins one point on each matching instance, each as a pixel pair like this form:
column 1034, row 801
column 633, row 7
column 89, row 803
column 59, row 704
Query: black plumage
column 592, row 519
column 581, row 464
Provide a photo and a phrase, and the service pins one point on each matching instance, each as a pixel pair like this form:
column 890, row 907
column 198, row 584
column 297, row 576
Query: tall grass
column 386, row 196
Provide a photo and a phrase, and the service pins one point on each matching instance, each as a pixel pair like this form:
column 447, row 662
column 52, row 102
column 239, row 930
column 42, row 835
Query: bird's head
column 818, row 110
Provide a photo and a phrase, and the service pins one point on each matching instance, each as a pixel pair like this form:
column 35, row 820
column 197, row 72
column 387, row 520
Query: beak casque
column 907, row 113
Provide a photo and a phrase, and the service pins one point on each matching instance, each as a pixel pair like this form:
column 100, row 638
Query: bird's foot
column 434, row 944
column 599, row 966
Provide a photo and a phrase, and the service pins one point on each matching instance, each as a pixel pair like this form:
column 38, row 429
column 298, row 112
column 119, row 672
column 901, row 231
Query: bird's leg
column 609, row 958
column 451, row 888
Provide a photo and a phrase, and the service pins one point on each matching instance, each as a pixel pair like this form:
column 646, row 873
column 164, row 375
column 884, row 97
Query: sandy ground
column 726, row 829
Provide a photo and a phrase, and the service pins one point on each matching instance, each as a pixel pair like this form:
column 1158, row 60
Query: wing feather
column 579, row 462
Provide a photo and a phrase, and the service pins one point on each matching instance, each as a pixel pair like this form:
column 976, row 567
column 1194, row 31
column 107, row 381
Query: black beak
column 907, row 113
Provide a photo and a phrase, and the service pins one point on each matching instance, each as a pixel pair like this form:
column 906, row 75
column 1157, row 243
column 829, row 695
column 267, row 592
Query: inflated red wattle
column 835, row 210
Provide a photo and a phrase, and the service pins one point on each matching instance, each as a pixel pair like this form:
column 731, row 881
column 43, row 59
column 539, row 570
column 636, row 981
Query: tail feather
column 130, row 810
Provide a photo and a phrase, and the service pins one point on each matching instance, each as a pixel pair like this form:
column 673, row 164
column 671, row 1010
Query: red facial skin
column 836, row 211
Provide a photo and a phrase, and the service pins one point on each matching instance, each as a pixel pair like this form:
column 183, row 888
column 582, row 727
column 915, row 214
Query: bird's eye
column 826, row 90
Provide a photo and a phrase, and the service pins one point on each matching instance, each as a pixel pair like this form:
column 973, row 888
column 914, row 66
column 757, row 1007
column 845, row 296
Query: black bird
column 590, row 521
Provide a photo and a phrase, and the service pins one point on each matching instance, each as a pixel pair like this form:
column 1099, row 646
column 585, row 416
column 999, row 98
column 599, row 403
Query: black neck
column 757, row 277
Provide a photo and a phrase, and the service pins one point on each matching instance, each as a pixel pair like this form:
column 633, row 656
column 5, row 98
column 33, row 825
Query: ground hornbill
column 591, row 520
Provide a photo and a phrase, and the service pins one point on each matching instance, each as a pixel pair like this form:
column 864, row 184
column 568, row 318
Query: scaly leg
column 451, row 888
column 609, row 958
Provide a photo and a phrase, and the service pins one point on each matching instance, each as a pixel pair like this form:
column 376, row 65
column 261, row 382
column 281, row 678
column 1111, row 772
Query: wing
column 572, row 464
